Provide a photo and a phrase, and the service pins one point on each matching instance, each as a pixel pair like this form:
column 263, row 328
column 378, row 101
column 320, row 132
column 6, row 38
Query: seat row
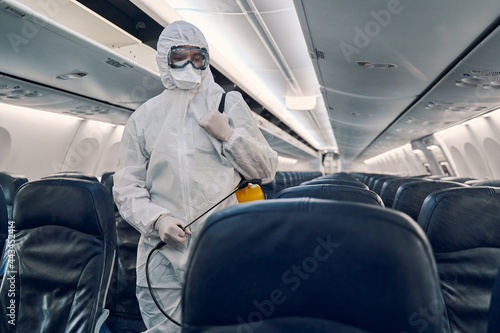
column 64, row 206
column 308, row 264
column 458, row 216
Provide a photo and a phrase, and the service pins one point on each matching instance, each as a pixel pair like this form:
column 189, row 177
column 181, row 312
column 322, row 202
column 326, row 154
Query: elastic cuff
column 155, row 221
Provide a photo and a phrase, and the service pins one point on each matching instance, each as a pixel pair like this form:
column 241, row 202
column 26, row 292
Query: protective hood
column 176, row 34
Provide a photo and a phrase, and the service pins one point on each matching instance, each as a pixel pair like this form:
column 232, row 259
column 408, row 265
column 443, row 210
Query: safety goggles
column 181, row 56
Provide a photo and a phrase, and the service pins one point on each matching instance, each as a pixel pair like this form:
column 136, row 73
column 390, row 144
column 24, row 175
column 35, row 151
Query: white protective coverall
column 171, row 165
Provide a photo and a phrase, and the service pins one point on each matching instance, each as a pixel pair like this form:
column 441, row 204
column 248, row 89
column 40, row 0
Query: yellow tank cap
column 250, row 193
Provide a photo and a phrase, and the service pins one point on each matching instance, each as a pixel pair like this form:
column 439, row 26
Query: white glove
column 170, row 229
column 217, row 125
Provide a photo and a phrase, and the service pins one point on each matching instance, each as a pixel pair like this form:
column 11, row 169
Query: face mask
column 186, row 78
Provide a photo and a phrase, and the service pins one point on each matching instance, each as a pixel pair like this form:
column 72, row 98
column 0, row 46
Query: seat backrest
column 379, row 183
column 332, row 192
column 463, row 227
column 311, row 265
column 10, row 183
column 4, row 227
column 105, row 176
column 65, row 242
column 335, row 182
column 410, row 196
column 121, row 300
column 374, row 178
column 284, row 180
column 391, row 186
column 494, row 311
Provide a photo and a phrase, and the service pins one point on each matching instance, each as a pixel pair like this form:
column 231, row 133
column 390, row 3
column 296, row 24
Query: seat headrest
column 10, row 184
column 105, row 176
column 4, row 219
column 64, row 202
column 320, row 260
column 332, row 192
column 489, row 182
column 109, row 182
column 459, row 219
column 457, row 179
column 72, row 174
column 391, row 186
column 410, row 196
column 334, row 181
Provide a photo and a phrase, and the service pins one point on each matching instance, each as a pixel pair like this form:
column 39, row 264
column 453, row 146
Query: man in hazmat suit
column 179, row 156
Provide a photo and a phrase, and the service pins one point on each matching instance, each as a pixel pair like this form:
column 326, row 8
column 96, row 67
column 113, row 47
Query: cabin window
column 492, row 153
column 460, row 164
column 5, row 145
column 479, row 168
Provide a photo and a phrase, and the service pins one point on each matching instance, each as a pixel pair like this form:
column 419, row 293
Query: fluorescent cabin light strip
column 254, row 18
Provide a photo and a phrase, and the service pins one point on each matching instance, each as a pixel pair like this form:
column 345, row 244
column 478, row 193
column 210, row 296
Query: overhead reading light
column 377, row 65
column 70, row 76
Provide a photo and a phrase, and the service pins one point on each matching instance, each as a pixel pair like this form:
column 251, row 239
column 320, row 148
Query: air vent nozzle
column 378, row 65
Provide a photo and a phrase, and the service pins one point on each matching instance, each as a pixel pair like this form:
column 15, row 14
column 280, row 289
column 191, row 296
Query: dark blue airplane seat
column 332, row 192
column 311, row 265
column 105, row 176
column 379, row 183
column 65, row 243
column 463, row 227
column 4, row 226
column 410, row 196
column 374, row 178
column 391, row 186
column 335, row 182
column 124, row 312
column 494, row 311
column 284, row 180
column 10, row 183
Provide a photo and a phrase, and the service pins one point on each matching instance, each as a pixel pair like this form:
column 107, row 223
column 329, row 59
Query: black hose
column 161, row 244
column 157, row 247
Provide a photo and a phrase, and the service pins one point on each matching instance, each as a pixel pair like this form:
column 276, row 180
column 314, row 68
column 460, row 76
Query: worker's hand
column 217, row 125
column 170, row 229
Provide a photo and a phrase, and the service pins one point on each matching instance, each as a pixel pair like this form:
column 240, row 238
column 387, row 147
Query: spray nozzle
column 244, row 183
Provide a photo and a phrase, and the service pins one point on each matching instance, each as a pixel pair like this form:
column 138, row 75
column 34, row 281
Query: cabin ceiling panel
column 36, row 49
column 360, row 111
column 379, row 34
column 284, row 148
column 26, row 94
column 469, row 90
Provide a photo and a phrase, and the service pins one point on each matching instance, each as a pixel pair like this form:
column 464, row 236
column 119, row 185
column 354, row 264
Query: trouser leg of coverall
column 155, row 321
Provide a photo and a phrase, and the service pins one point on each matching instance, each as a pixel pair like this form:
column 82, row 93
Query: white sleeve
column 129, row 190
column 248, row 150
